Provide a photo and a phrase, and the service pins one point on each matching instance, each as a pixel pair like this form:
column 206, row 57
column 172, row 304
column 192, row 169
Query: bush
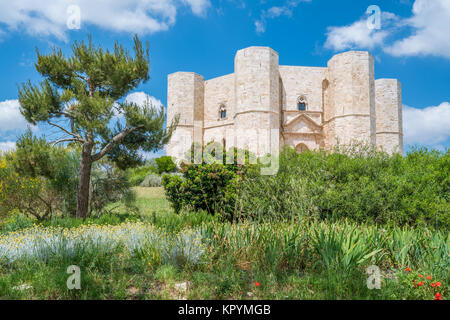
column 205, row 187
column 152, row 180
column 38, row 179
column 360, row 185
column 137, row 175
column 165, row 164
column 110, row 185
column 16, row 221
column 210, row 186
column 41, row 180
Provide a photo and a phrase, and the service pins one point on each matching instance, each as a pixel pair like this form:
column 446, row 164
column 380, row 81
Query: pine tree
column 82, row 96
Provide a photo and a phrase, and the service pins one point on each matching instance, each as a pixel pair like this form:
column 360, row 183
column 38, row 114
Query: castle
column 263, row 105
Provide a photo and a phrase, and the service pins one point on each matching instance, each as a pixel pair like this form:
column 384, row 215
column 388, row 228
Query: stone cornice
column 219, row 125
column 302, row 115
column 301, row 133
column 390, row 132
column 255, row 111
column 347, row 115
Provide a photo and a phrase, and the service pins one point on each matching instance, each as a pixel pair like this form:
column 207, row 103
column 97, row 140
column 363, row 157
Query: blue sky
column 412, row 44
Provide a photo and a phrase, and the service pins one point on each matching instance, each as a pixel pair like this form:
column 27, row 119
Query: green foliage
column 15, row 221
column 39, row 179
column 152, row 180
column 204, row 187
column 212, row 184
column 110, row 185
column 82, row 95
column 165, row 164
column 174, row 188
column 137, row 175
column 302, row 259
column 342, row 249
column 360, row 185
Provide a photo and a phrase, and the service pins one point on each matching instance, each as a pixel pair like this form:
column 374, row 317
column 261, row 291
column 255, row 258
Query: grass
column 151, row 200
column 119, row 259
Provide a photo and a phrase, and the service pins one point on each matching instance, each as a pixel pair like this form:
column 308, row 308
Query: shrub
column 137, row 175
column 360, row 185
column 110, row 185
column 152, row 180
column 42, row 178
column 16, row 221
column 165, row 164
column 212, row 185
column 205, row 187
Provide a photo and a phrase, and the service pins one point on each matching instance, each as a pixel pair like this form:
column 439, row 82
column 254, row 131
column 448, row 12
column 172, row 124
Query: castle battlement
column 308, row 107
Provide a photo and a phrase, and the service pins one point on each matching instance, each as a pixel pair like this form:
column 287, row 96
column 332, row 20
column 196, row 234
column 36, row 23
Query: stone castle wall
column 388, row 102
column 344, row 104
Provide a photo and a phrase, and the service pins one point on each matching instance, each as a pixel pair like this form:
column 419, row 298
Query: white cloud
column 427, row 32
column 431, row 36
column 276, row 12
column 141, row 98
column 49, row 17
column 7, row 146
column 198, row 7
column 10, row 116
column 260, row 26
column 428, row 126
column 358, row 34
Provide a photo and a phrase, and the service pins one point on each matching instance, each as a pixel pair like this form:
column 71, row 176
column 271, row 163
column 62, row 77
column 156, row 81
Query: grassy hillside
column 157, row 254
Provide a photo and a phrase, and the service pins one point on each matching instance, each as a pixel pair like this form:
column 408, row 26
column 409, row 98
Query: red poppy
column 420, row 276
column 429, row 277
column 438, row 284
column 433, row 284
column 420, row 283
column 408, row 270
column 437, row 296
column 257, row 283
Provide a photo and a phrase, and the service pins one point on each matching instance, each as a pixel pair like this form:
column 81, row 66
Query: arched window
column 301, row 103
column 222, row 112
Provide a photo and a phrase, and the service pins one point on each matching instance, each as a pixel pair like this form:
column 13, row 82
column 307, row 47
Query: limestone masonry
column 263, row 105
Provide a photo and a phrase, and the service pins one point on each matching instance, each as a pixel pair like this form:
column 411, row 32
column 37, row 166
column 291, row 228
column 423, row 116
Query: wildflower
column 420, row 283
column 420, row 276
column 408, row 270
column 257, row 283
column 438, row 284
column 429, row 277
column 437, row 296
column 433, row 284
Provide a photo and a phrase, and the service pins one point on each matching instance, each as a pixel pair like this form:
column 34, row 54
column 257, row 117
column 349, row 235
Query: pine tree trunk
column 84, row 182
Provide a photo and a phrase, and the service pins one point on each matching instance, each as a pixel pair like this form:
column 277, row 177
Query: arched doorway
column 301, row 147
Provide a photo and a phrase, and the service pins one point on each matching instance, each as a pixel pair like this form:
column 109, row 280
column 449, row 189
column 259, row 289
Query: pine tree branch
column 66, row 131
column 117, row 138
column 67, row 140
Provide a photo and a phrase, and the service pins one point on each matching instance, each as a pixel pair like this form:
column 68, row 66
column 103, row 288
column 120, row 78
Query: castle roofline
column 388, row 79
column 185, row 72
column 355, row 52
column 307, row 67
column 257, row 47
